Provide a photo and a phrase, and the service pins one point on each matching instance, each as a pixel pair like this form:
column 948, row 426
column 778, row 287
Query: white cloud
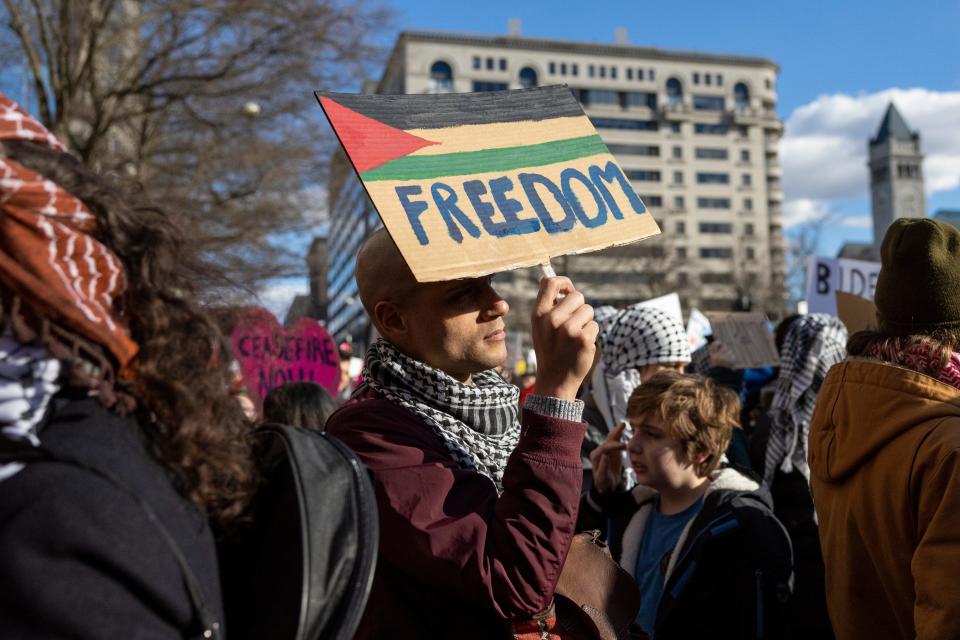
column 803, row 211
column 278, row 295
column 824, row 149
column 857, row 222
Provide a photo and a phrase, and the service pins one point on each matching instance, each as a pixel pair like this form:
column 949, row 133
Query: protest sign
column 826, row 276
column 269, row 356
column 698, row 328
column 748, row 337
column 856, row 313
column 474, row 183
column 669, row 303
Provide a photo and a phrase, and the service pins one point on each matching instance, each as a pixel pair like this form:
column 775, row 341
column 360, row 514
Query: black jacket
column 79, row 558
column 730, row 575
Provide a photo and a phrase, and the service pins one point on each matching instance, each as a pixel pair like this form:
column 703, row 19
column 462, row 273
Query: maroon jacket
column 455, row 560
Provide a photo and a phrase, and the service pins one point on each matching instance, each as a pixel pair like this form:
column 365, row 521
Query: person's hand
column 721, row 355
column 607, row 461
column 564, row 338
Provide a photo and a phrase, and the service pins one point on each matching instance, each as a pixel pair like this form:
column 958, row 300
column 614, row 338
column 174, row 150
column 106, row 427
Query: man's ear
column 390, row 320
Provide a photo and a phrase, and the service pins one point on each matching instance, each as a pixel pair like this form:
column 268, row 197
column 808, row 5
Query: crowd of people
column 818, row 499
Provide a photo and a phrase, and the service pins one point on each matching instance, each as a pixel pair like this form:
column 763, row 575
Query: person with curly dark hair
column 110, row 374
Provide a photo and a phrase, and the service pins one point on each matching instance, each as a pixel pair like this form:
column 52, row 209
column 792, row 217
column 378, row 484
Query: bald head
column 382, row 273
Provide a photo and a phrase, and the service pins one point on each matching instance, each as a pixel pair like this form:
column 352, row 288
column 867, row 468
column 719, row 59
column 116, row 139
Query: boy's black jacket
column 731, row 576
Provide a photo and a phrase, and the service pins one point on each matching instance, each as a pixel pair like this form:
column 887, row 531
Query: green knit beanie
column 918, row 289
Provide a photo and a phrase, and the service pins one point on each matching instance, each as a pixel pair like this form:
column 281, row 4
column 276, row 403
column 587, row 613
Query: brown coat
column 885, row 474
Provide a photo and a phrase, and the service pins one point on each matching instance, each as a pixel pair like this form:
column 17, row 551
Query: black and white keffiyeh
column 29, row 377
column 632, row 338
column 479, row 424
column 814, row 343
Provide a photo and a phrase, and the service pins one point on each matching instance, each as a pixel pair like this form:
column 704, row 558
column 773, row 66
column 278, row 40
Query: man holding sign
column 477, row 504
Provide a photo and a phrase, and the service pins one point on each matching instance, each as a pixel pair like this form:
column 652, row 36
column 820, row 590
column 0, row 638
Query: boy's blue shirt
column 659, row 540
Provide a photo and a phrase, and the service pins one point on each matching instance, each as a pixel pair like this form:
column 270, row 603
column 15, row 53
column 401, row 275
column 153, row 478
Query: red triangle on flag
column 369, row 142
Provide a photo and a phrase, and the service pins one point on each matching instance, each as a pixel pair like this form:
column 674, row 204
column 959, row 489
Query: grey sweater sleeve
column 555, row 407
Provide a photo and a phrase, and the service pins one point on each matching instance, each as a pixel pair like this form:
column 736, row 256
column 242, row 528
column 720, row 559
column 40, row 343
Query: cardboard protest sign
column 269, row 356
column 474, row 183
column 856, row 313
column 669, row 303
column 826, row 276
column 748, row 336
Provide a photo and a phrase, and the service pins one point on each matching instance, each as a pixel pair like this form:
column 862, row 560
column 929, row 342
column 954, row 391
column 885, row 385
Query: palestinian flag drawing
column 473, row 183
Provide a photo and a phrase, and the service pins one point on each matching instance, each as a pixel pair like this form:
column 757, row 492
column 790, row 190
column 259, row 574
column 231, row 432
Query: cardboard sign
column 856, row 313
column 747, row 335
column 474, row 183
column 826, row 276
column 669, row 303
column 270, row 357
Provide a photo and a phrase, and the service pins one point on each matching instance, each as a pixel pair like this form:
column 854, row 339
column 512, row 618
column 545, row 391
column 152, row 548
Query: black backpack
column 304, row 569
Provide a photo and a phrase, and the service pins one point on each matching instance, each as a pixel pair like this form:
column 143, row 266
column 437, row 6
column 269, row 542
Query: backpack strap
column 22, row 451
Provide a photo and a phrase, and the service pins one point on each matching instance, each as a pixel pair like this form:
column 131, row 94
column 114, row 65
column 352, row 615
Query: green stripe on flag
column 487, row 160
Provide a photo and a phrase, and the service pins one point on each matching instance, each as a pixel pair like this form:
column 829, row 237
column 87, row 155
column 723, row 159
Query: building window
column 489, row 64
column 674, row 92
column 678, row 203
column 620, row 123
column 682, row 278
column 651, row 76
column 528, row 78
column 603, row 71
column 744, row 155
column 716, row 227
column 613, row 73
column 634, row 149
column 678, row 153
column 748, row 229
column 751, row 254
column 713, row 178
column 716, row 278
column 574, row 69
column 707, row 79
column 748, row 204
column 716, row 252
column 708, row 103
column 643, row 175
column 591, row 70
column 709, row 153
column 602, row 96
column 682, row 253
column 503, row 64
column 719, row 79
column 713, row 203
column 767, row 83
column 639, row 74
column 675, row 127
column 681, row 227
column 710, row 129
column 696, row 78
column 741, row 96
column 441, row 76
column 476, row 62
column 629, row 73
column 552, row 68
column 639, row 99
column 489, row 86
column 744, row 131
column 678, row 177
column 652, row 201
column 746, row 180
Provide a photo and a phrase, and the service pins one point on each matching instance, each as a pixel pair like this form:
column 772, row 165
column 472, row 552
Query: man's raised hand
column 564, row 338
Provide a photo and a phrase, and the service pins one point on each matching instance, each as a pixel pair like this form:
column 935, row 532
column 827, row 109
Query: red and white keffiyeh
column 48, row 257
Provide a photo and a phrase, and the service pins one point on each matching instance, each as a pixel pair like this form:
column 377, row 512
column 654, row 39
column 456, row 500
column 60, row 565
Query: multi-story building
column 896, row 176
column 697, row 134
